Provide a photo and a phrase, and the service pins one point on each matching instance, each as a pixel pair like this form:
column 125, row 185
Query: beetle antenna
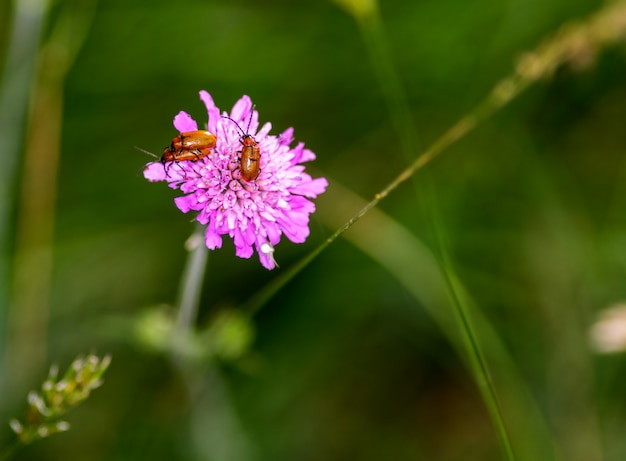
column 237, row 124
column 146, row 152
column 250, row 119
column 243, row 133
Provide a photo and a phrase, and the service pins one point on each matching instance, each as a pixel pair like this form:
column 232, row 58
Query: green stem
column 472, row 345
column 209, row 403
column 191, row 281
column 478, row 362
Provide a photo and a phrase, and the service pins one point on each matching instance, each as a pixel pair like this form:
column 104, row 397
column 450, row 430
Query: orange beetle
column 250, row 164
column 250, row 158
column 189, row 145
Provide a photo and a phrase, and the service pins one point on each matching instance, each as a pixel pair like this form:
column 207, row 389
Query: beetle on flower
column 256, row 212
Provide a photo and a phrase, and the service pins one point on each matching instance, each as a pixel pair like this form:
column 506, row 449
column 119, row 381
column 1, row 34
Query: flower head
column 255, row 212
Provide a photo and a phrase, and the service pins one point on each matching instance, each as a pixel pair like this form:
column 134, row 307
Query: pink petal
column 241, row 109
column 183, row 122
column 212, row 111
column 154, row 171
column 212, row 239
column 185, row 203
column 310, row 189
column 286, row 137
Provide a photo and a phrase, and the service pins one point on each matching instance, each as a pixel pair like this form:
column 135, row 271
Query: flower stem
column 209, row 403
column 191, row 281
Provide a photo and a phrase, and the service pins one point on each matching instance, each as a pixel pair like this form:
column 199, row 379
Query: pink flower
column 254, row 213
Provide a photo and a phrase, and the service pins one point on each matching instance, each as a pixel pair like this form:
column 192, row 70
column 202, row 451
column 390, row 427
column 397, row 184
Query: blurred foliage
column 346, row 362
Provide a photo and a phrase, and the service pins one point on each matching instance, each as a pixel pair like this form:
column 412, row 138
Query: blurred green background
column 357, row 357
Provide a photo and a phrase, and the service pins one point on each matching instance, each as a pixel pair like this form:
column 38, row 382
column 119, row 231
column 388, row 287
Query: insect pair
column 194, row 145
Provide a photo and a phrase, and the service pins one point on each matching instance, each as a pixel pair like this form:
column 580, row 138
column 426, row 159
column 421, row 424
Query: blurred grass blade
column 28, row 316
column 26, row 25
column 418, row 270
column 367, row 15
